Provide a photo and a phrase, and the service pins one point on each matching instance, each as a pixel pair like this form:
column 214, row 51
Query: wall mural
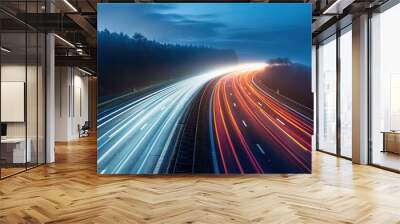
column 204, row 88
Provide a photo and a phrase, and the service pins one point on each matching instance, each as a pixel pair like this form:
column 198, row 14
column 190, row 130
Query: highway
column 255, row 132
column 139, row 136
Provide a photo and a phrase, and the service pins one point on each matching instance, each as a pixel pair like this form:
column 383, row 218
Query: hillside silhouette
column 127, row 63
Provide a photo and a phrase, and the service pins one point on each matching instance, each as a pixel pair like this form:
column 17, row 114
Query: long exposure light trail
column 255, row 132
column 252, row 129
column 135, row 137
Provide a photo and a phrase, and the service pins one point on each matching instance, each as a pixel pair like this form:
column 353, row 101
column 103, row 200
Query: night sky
column 256, row 31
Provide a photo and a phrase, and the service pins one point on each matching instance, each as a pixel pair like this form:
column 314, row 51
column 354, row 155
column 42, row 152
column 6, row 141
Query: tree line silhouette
column 128, row 63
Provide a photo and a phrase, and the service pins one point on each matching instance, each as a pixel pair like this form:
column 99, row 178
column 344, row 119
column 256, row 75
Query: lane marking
column 260, row 148
column 280, row 121
column 244, row 123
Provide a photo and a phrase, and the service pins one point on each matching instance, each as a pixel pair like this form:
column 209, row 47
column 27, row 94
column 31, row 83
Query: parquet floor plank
column 70, row 191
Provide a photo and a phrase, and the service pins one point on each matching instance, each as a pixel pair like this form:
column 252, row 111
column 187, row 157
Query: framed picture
column 204, row 88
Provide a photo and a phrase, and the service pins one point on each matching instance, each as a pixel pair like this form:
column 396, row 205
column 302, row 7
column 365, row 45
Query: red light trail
column 255, row 132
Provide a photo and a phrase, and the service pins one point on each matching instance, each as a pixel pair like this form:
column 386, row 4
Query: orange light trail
column 254, row 131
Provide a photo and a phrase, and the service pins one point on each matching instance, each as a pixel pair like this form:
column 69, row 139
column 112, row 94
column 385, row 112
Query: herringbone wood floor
column 70, row 191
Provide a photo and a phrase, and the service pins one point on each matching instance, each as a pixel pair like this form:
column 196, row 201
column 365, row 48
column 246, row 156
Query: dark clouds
column 254, row 31
column 268, row 36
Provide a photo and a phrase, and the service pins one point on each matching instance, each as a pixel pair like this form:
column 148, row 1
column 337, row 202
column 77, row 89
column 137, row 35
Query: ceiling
column 75, row 22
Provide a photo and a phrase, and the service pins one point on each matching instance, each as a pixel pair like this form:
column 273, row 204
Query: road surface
column 224, row 121
column 139, row 136
column 256, row 133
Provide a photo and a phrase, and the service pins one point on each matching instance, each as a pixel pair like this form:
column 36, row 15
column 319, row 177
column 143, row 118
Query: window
column 385, row 89
column 346, row 92
column 327, row 96
column 22, row 77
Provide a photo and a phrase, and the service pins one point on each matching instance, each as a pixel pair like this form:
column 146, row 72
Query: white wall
column 71, row 102
column 33, row 127
column 62, row 82
column 10, row 73
column 16, row 73
column 80, row 103
column 13, row 100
